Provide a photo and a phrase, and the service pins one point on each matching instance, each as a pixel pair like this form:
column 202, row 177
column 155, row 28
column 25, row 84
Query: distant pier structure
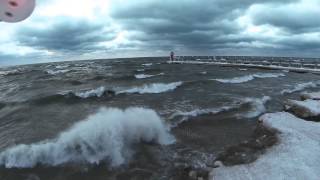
column 279, row 63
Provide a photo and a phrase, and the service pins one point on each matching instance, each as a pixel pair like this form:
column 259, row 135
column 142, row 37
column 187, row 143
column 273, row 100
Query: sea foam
column 300, row 87
column 106, row 136
column 257, row 106
column 144, row 76
column 246, row 78
column 91, row 93
column 152, row 88
column 55, row 72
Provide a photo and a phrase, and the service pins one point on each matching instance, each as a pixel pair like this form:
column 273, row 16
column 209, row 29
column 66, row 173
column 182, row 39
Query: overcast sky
column 84, row 29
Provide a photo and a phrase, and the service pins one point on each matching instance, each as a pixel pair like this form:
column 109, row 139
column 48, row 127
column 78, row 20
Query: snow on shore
column 313, row 95
column 307, row 108
column 296, row 156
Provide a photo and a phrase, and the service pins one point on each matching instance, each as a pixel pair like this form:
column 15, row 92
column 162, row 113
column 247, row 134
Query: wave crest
column 243, row 79
column 55, row 72
column 257, row 106
column 104, row 136
column 152, row 88
column 300, row 87
column 144, row 76
column 186, row 115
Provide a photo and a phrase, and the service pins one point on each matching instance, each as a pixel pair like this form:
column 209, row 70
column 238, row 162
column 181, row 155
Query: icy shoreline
column 296, row 155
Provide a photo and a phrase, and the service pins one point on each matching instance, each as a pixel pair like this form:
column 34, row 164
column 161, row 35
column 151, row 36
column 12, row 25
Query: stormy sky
column 73, row 30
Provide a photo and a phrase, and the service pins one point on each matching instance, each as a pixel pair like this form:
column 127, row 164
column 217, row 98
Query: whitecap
column 99, row 92
column 154, row 88
column 186, row 115
column 300, row 87
column 55, row 72
column 106, row 136
column 247, row 78
column 144, row 76
column 257, row 106
column 147, row 64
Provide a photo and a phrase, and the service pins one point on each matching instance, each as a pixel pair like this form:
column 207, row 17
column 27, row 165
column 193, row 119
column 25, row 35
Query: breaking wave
column 55, row 72
column 251, row 77
column 62, row 66
column 106, row 136
column 257, row 106
column 144, row 76
column 11, row 72
column 91, row 93
column 152, row 88
column 71, row 96
column 74, row 96
column 186, row 115
column 300, row 87
column 147, row 64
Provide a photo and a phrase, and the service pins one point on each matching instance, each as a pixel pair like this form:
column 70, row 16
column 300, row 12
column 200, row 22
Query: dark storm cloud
column 190, row 27
column 66, row 36
column 298, row 20
column 191, row 23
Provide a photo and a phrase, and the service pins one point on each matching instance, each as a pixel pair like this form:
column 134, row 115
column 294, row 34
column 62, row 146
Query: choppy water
column 130, row 118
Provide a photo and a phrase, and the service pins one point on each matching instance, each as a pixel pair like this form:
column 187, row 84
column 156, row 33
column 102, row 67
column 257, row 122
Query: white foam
column 152, row 88
column 185, row 115
column 243, row 69
column 4, row 73
column 104, row 136
column 296, row 157
column 144, row 76
column 257, row 106
column 299, row 87
column 91, row 93
column 62, row 66
column 55, row 72
column 247, row 78
column 147, row 64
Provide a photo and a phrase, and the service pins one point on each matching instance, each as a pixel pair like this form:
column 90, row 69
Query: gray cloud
column 66, row 36
column 192, row 24
column 293, row 19
column 200, row 27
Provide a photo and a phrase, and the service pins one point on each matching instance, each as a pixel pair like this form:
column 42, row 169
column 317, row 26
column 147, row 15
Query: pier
column 302, row 65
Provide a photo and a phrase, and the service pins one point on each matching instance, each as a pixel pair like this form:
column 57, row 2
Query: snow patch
column 313, row 95
column 296, row 157
column 312, row 107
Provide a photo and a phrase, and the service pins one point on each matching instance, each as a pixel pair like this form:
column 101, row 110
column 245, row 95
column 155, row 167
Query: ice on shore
column 313, row 95
column 304, row 109
column 296, row 156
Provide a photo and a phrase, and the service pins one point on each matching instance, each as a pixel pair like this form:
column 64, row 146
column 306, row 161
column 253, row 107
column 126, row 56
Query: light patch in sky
column 90, row 9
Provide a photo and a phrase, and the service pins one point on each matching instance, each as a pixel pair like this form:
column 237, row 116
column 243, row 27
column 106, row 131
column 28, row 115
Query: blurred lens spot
column 9, row 14
column 13, row 3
